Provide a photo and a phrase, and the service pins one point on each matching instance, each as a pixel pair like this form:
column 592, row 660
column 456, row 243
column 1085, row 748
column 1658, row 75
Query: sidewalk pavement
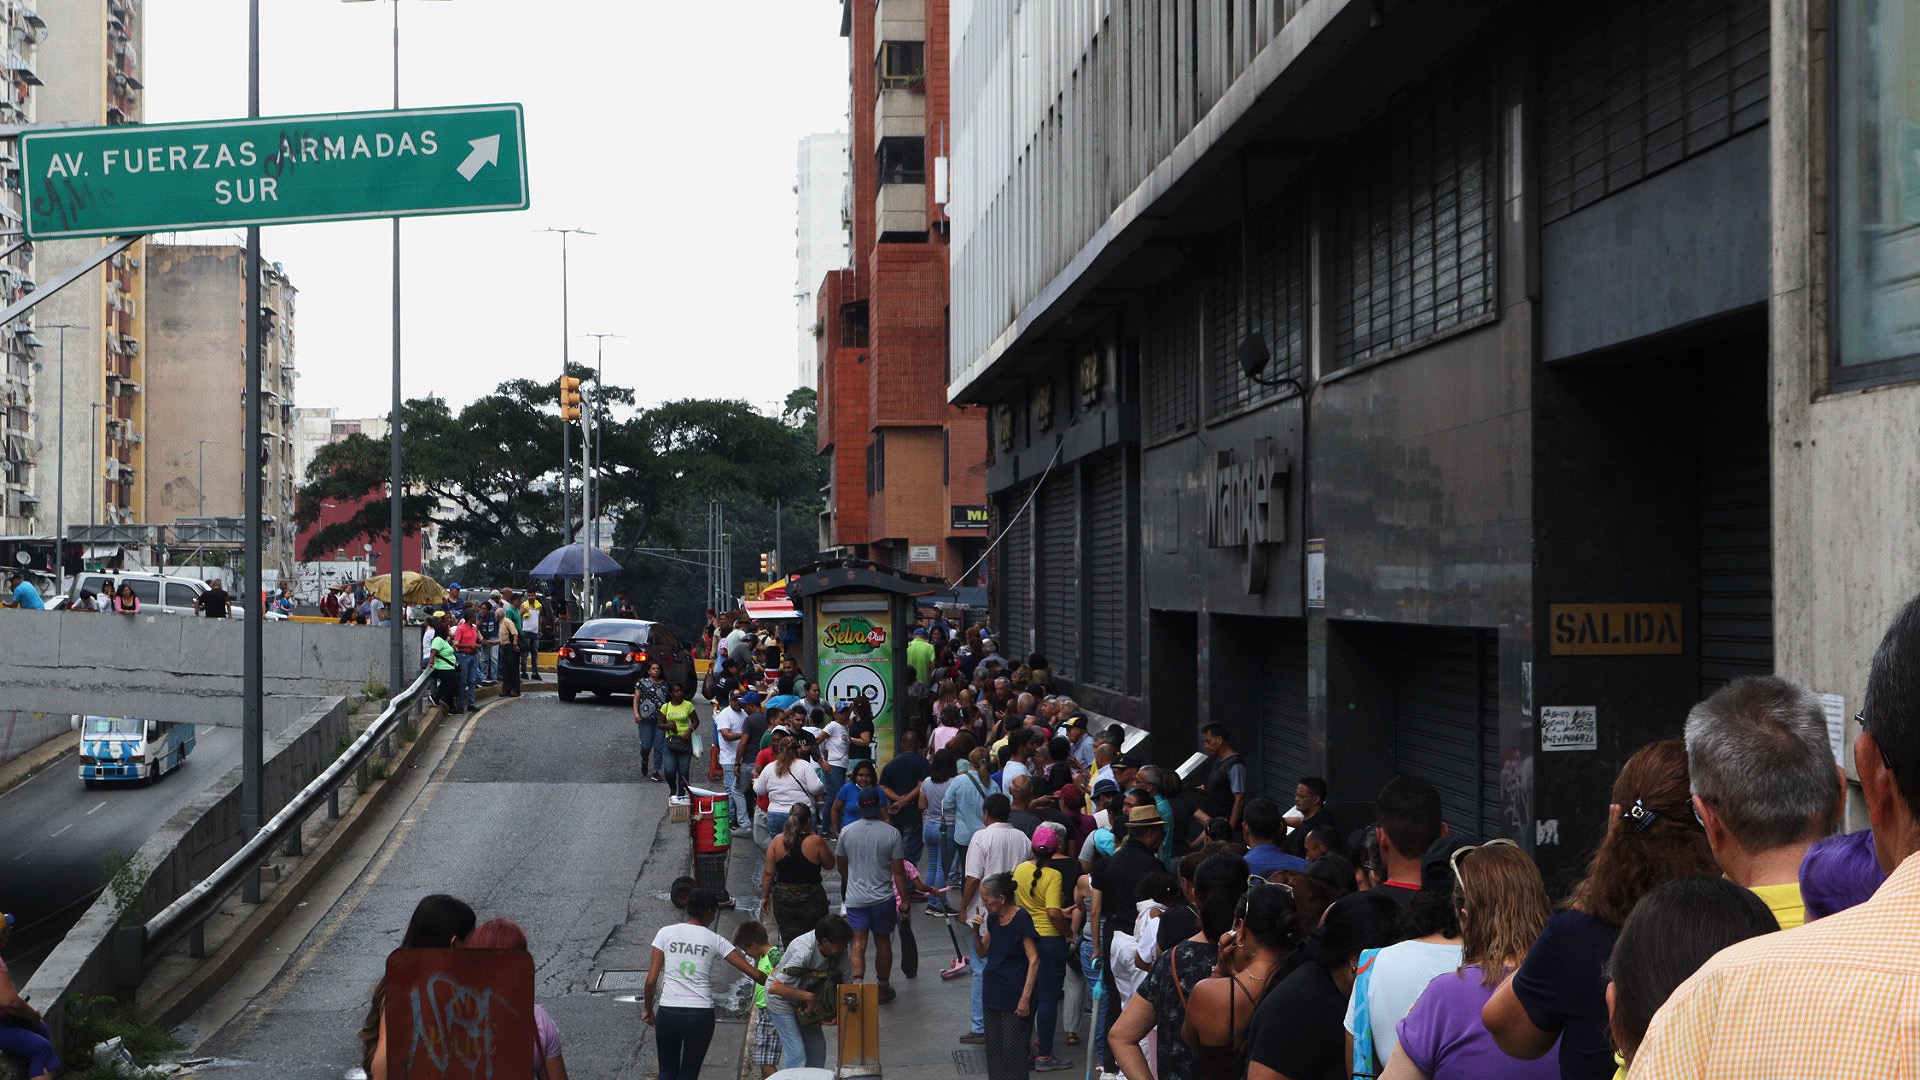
column 919, row 1032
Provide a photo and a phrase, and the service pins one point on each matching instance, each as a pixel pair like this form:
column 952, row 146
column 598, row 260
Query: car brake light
column 637, row 657
column 566, row 653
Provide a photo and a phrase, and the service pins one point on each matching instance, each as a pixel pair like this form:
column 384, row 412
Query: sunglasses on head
column 1460, row 855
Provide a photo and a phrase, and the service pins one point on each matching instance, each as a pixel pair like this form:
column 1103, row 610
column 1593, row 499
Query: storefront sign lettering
column 853, row 634
column 1247, row 506
column 1615, row 629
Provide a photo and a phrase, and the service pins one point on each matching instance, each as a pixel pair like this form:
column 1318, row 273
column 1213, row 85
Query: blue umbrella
column 564, row 564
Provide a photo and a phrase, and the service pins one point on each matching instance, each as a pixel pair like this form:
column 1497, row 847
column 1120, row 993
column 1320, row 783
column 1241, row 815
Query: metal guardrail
column 190, row 912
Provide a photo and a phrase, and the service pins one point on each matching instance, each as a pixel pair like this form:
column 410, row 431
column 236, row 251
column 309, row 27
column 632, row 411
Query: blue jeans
column 912, row 840
column 1094, row 978
column 682, row 1037
column 466, row 667
column 653, row 747
column 935, row 837
column 979, row 965
column 1046, row 989
column 488, row 661
column 801, row 1045
column 676, row 766
column 776, row 822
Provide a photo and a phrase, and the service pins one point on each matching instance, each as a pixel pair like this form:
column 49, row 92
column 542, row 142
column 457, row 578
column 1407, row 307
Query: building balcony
column 24, row 73
column 900, row 20
column 901, row 210
column 899, row 114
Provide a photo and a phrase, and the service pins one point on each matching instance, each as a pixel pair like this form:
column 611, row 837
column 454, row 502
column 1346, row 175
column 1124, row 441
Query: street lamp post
column 60, row 466
column 396, row 605
column 566, row 433
column 93, row 467
column 592, row 471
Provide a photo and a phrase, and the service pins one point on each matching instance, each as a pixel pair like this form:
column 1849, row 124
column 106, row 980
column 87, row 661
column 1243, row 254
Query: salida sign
column 1615, row 629
column 1247, row 506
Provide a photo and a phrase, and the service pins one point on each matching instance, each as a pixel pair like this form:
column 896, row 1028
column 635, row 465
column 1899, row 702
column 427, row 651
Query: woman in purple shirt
column 1503, row 907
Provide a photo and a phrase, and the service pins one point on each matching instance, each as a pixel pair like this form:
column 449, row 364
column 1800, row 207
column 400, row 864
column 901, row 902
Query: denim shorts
column 882, row 918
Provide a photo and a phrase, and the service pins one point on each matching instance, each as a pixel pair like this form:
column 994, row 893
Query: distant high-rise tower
column 18, row 343
column 825, row 216
column 196, row 339
column 90, row 66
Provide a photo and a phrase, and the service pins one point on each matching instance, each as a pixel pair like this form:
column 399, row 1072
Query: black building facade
column 1419, row 422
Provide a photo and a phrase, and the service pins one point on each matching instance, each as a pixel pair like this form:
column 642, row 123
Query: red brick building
column 908, row 470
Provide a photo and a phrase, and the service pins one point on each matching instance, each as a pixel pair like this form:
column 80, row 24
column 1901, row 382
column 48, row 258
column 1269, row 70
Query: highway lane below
column 56, row 835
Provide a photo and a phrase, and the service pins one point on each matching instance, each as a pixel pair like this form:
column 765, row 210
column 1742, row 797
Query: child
column 750, row 937
column 864, row 776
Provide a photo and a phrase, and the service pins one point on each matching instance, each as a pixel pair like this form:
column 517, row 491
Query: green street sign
column 277, row 170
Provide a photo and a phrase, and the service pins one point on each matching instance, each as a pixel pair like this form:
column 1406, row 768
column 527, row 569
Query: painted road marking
column 61, row 829
column 91, row 812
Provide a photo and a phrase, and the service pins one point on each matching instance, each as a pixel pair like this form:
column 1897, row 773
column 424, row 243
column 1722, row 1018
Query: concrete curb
column 36, row 761
column 193, row 991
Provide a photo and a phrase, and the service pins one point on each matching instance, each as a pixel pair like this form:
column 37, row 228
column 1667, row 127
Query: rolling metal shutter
column 1446, row 703
column 1412, row 216
column 1057, row 537
column 1635, row 86
column 1013, row 573
column 1284, row 751
column 1172, row 359
column 1736, row 532
column 1106, row 574
column 1274, row 304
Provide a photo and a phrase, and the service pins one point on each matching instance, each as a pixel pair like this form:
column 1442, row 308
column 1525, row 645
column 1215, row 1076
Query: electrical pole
column 253, row 651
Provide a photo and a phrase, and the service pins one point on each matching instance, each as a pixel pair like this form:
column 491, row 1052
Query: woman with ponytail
column 790, row 888
column 1297, row 1029
column 1218, row 884
column 1265, row 931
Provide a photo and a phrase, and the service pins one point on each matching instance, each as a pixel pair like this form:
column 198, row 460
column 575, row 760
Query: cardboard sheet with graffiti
column 459, row 1014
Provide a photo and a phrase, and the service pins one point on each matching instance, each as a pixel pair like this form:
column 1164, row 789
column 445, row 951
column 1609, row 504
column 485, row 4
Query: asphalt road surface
column 528, row 809
column 57, row 835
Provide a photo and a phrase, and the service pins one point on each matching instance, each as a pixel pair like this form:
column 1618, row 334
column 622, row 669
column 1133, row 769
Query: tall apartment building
column 907, row 472
column 315, row 427
column 824, row 215
column 24, row 28
column 196, row 392
column 1439, row 388
column 90, row 67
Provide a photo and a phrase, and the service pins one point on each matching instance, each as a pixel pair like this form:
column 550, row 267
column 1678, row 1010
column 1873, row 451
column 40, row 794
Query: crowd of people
column 1177, row 927
column 471, row 643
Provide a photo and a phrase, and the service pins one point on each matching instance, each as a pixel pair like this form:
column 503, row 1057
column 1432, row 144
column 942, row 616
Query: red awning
column 759, row 610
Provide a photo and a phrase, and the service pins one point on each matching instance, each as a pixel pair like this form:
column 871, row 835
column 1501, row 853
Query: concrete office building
column 820, row 191
column 314, row 428
column 196, row 394
column 907, row 483
column 1391, row 381
column 19, row 345
column 89, row 63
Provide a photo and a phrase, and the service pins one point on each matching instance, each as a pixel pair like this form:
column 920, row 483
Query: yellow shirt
column 1838, row 997
column 1785, row 903
column 680, row 716
column 1035, row 899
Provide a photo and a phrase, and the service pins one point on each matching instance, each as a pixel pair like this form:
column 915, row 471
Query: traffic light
column 569, row 398
column 766, row 564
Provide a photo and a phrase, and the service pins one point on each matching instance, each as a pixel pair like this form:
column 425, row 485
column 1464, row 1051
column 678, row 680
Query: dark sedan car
column 607, row 656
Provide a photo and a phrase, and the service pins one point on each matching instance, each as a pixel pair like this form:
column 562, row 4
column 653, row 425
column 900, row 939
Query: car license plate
column 599, row 658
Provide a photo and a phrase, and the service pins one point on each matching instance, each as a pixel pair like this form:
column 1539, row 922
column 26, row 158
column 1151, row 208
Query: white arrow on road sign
column 486, row 151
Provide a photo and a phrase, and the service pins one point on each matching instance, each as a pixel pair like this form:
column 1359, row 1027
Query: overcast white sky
column 668, row 128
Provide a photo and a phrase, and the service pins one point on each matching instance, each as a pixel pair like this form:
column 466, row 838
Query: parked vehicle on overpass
column 126, row 749
column 608, row 656
column 159, row 594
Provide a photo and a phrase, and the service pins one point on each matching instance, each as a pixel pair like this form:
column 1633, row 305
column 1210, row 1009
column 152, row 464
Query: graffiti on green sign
column 853, row 634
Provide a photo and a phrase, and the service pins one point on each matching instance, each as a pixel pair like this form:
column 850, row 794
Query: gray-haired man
column 1765, row 784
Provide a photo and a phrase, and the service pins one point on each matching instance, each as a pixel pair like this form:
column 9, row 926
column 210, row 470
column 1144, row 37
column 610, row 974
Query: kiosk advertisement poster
column 856, row 660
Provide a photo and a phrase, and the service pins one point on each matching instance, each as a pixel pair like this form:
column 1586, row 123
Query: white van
column 162, row 594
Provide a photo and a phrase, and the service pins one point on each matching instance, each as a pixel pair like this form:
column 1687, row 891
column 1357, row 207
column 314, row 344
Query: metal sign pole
column 252, row 801
column 396, row 530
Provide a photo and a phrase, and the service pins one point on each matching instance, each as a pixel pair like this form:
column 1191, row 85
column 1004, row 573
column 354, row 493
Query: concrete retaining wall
column 164, row 667
column 183, row 851
column 22, row 731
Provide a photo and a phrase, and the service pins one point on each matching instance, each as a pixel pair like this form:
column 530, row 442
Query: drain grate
column 970, row 1062
column 617, row 980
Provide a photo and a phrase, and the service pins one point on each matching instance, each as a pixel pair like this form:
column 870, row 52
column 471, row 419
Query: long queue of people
column 1176, row 929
